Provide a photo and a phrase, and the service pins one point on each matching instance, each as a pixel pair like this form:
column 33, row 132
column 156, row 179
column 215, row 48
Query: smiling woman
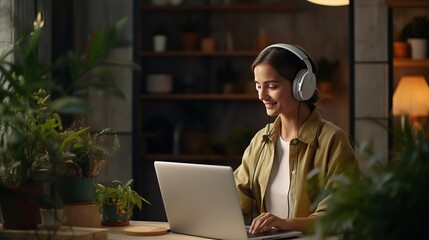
column 298, row 146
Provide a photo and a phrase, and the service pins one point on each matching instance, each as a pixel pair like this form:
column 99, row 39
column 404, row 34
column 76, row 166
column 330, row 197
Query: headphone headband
column 304, row 84
column 298, row 52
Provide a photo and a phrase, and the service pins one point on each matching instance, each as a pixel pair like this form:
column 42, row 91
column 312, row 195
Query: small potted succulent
column 117, row 202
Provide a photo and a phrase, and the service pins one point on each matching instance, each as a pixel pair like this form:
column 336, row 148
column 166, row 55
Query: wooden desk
column 103, row 233
column 115, row 233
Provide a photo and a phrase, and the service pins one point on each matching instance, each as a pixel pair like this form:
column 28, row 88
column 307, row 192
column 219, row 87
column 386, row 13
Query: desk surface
column 115, row 233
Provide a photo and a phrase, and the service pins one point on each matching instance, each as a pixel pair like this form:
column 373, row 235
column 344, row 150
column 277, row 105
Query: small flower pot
column 19, row 207
column 208, row 44
column 159, row 43
column 113, row 216
column 190, row 41
column 401, row 49
column 418, row 48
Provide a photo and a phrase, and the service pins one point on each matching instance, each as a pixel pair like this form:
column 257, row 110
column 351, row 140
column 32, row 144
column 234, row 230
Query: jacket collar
column 306, row 133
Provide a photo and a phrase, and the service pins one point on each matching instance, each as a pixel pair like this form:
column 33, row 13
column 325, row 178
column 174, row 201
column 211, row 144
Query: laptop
column 202, row 200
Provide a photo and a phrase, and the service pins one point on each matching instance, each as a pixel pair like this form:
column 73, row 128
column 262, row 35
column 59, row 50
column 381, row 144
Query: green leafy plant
column 418, row 27
column 30, row 127
column 121, row 195
column 87, row 152
column 30, row 145
column 389, row 201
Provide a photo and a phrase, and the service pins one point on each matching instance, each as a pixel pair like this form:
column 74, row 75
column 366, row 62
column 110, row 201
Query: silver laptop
column 202, row 200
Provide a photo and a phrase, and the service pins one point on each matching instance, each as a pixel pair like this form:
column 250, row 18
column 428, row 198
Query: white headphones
column 304, row 83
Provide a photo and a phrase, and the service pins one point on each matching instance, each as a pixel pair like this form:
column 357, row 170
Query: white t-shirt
column 277, row 195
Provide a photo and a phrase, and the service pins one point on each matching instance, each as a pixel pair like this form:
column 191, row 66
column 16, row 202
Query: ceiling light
column 330, row 2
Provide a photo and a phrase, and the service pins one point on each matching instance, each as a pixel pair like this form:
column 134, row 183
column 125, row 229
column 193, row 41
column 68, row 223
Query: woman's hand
column 267, row 221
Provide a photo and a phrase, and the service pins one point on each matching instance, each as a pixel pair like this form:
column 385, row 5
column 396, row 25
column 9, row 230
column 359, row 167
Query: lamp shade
column 411, row 97
column 330, row 2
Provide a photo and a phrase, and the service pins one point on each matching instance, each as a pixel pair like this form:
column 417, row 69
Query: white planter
column 159, row 43
column 53, row 218
column 418, row 48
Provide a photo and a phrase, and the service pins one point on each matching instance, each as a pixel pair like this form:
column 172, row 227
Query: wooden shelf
column 249, row 53
column 171, row 96
column 407, row 3
column 290, row 8
column 407, row 62
column 190, row 157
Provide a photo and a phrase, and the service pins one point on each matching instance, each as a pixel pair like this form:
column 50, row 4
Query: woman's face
column 274, row 90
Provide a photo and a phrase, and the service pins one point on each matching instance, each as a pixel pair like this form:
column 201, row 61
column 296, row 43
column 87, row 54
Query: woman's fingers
column 262, row 223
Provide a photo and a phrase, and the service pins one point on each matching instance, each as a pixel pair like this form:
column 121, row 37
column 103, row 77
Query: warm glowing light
column 40, row 20
column 330, row 2
column 411, row 97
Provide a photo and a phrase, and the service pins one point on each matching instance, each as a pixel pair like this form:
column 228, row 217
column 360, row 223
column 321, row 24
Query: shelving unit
column 399, row 67
column 406, row 62
column 402, row 66
column 223, row 118
column 210, row 94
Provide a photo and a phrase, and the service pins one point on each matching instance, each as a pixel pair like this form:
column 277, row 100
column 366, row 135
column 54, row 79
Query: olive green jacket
column 329, row 154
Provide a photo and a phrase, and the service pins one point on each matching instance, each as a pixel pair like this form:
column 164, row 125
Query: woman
column 272, row 178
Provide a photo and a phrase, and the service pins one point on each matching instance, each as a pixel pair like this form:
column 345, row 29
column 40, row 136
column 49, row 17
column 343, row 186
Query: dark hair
column 287, row 65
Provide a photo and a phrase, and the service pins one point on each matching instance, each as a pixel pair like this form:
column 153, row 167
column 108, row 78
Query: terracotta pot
column 19, row 208
column 190, row 41
column 208, row 44
column 401, row 49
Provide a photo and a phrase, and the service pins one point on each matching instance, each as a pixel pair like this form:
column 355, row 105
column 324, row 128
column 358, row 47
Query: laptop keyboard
column 267, row 235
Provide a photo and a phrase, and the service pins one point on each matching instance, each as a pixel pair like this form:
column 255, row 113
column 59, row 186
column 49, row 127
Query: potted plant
column 416, row 32
column 76, row 177
column 30, row 126
column 117, row 202
column 389, row 201
column 86, row 153
column 190, row 34
column 30, row 139
column 401, row 48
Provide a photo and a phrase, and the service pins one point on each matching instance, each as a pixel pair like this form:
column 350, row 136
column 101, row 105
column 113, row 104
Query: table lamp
column 411, row 98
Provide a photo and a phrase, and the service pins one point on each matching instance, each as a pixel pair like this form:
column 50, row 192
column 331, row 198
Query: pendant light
column 330, row 2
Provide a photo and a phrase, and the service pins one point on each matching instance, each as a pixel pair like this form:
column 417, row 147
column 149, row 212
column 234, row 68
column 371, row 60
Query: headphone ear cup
column 297, row 84
column 304, row 85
